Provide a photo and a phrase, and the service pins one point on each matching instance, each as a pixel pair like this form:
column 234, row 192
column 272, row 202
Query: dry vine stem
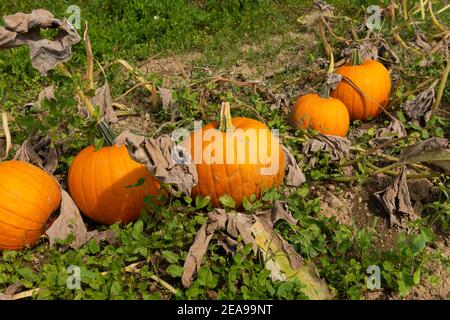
column 138, row 78
column 441, row 87
column 435, row 21
column 89, row 60
column 7, row 133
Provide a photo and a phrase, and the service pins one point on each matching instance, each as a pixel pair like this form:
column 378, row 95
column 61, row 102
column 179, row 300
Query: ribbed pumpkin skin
column 373, row 79
column 231, row 178
column 28, row 196
column 326, row 115
column 98, row 183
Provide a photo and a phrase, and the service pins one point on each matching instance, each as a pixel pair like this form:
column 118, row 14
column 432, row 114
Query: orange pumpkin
column 28, row 196
column 372, row 79
column 326, row 115
column 240, row 158
column 106, row 184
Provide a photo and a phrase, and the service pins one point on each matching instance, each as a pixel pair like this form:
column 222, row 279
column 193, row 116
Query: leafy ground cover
column 261, row 56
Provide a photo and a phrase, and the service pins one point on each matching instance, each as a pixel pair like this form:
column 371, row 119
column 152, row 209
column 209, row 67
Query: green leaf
column 416, row 277
column 98, row 144
column 227, row 201
column 116, row 289
column 175, row 271
column 138, row 228
column 139, row 183
column 200, row 219
column 170, row 256
column 246, row 204
column 201, row 202
column 440, row 158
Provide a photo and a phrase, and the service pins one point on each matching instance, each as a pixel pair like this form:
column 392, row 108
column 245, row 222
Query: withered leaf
column 333, row 79
column 167, row 161
column 41, row 153
column 337, row 147
column 423, row 146
column 239, row 225
column 285, row 263
column 395, row 129
column 69, row 222
column 47, row 93
column 278, row 256
column 193, row 262
column 107, row 235
column 434, row 150
column 294, row 174
column 166, row 98
column 10, row 291
column 420, row 107
column 103, row 100
column 396, row 201
column 24, row 29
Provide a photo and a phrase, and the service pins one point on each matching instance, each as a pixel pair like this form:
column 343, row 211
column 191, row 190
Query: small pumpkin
column 108, row 186
column 374, row 84
column 326, row 115
column 28, row 196
column 238, row 157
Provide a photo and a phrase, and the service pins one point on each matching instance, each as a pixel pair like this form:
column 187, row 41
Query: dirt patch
column 436, row 283
column 173, row 69
column 273, row 65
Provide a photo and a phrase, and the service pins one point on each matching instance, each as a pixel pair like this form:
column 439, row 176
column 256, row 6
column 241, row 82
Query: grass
column 159, row 241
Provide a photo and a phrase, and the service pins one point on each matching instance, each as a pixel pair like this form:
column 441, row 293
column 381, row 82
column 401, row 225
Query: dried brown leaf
column 47, row 93
column 167, row 161
column 103, row 100
column 40, row 153
column 396, row 201
column 193, row 262
column 395, row 129
column 107, row 235
column 24, row 29
column 420, row 108
column 424, row 146
column 166, row 98
column 337, row 147
column 10, row 291
column 294, row 174
column 69, row 222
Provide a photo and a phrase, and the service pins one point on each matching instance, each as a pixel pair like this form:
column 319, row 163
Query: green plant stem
column 87, row 103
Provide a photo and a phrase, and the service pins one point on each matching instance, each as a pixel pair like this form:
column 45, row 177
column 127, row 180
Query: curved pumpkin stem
column 225, row 118
column 356, row 58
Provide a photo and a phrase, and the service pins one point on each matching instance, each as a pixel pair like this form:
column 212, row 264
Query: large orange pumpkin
column 240, row 158
column 374, row 83
column 28, row 196
column 108, row 186
column 326, row 115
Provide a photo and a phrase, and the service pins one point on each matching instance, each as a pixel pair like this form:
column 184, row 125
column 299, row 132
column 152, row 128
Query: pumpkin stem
column 356, row 58
column 106, row 132
column 325, row 91
column 225, row 118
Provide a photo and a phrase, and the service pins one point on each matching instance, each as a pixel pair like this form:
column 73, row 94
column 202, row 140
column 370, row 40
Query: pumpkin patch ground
column 160, row 122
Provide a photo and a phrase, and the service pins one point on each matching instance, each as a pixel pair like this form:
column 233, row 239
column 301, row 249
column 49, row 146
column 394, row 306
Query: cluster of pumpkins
column 103, row 185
